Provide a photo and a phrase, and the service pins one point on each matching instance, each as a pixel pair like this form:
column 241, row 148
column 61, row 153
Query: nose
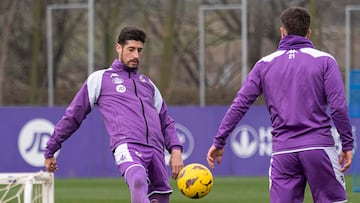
column 136, row 54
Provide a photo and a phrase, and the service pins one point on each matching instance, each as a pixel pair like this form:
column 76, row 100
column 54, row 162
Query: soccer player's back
column 299, row 83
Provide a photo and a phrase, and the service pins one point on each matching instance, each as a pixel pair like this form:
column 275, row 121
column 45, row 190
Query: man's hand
column 176, row 162
column 214, row 154
column 50, row 165
column 345, row 160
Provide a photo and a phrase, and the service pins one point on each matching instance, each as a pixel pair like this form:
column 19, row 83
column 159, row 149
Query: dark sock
column 160, row 198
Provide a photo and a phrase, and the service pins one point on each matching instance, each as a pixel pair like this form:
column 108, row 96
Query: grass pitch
column 225, row 189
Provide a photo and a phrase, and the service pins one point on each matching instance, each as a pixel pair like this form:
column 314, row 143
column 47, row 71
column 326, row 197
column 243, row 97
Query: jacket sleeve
column 74, row 114
column 244, row 98
column 169, row 130
column 167, row 123
column 335, row 94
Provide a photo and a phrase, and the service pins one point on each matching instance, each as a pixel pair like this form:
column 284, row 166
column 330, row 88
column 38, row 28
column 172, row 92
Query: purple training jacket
column 132, row 107
column 303, row 90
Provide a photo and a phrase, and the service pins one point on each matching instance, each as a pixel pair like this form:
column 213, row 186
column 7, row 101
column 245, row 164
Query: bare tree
column 168, row 46
column 171, row 54
column 5, row 35
column 110, row 19
column 35, row 52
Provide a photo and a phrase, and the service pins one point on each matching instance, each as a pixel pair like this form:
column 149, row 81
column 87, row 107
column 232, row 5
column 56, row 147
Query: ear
column 283, row 32
column 118, row 47
column 308, row 33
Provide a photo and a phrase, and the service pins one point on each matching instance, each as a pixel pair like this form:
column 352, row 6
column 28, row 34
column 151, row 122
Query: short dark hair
column 131, row 33
column 296, row 21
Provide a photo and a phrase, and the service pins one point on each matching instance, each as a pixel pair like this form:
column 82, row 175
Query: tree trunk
column 35, row 52
column 4, row 45
column 168, row 47
column 110, row 25
column 315, row 25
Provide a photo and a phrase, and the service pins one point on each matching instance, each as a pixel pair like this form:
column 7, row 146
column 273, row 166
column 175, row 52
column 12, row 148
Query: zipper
column 142, row 109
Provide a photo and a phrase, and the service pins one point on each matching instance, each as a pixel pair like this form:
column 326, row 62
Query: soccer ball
column 195, row 181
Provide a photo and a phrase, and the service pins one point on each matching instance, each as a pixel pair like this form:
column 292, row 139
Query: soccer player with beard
column 135, row 117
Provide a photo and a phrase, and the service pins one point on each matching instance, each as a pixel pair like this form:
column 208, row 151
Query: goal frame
column 45, row 179
column 201, row 12
column 349, row 86
column 348, row 10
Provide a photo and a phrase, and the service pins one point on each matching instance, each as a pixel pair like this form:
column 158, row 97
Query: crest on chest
column 115, row 79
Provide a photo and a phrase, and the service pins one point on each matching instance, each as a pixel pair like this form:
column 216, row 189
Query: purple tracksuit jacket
column 131, row 105
column 299, row 83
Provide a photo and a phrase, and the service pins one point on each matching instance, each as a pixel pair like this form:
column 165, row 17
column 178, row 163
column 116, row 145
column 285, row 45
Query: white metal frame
column 348, row 10
column 202, row 9
column 45, row 179
column 90, row 7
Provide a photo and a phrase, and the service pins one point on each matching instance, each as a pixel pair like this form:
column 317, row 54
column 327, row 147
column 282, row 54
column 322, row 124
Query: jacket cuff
column 176, row 147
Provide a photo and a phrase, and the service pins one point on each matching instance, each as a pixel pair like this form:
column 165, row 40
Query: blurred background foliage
column 171, row 56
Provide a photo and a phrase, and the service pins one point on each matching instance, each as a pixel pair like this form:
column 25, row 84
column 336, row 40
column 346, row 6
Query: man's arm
column 345, row 160
column 50, row 164
column 335, row 93
column 75, row 113
column 244, row 98
column 176, row 162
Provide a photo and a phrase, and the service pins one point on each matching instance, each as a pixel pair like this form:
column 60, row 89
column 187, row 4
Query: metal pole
column 347, row 52
column 90, row 36
column 50, row 58
column 244, row 40
column 201, row 58
column 28, row 190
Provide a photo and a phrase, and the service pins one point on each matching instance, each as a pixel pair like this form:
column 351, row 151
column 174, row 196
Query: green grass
column 225, row 189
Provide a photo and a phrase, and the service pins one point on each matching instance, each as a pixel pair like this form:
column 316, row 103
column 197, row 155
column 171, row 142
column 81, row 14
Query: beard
column 130, row 63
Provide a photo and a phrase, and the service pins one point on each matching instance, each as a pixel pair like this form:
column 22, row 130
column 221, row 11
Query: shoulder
column 97, row 74
column 316, row 53
column 146, row 79
column 95, row 79
column 272, row 56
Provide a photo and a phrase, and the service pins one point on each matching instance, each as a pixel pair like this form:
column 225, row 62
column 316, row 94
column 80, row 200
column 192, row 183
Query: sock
column 136, row 179
column 160, row 198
